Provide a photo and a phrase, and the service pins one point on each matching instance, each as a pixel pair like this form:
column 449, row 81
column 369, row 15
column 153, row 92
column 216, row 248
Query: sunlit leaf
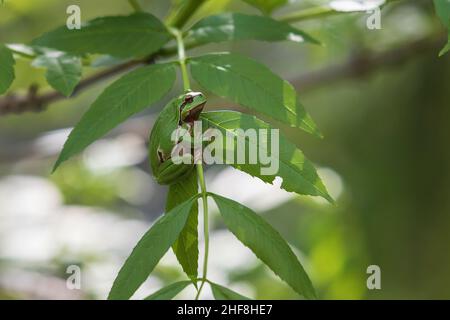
column 169, row 292
column 63, row 70
column 237, row 26
column 22, row 49
column 137, row 35
column 222, row 293
column 355, row 5
column 266, row 243
column 7, row 74
column 149, row 250
column 127, row 96
column 252, row 85
column 186, row 246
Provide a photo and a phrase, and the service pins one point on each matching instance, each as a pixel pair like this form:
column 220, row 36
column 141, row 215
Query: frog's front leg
column 162, row 157
column 168, row 172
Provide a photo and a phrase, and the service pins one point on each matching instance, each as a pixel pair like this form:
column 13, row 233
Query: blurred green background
column 385, row 157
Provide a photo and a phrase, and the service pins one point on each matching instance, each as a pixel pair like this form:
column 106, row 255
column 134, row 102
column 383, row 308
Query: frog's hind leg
column 161, row 157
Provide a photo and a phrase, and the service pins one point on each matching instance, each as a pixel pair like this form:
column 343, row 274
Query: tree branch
column 360, row 64
column 35, row 102
column 364, row 62
column 13, row 103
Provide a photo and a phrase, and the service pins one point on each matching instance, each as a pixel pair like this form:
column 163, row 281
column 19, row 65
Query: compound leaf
column 297, row 172
column 237, row 26
column 149, row 250
column 127, row 96
column 266, row 243
column 137, row 35
column 252, row 85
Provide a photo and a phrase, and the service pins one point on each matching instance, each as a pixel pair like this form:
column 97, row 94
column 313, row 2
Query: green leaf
column 169, row 292
column 186, row 246
column 267, row 6
column 297, row 172
column 149, row 250
column 127, row 96
column 252, row 85
column 137, row 35
column 443, row 11
column 23, row 49
column 222, row 293
column 236, row 26
column 266, row 243
column 445, row 49
column 7, row 74
column 63, row 70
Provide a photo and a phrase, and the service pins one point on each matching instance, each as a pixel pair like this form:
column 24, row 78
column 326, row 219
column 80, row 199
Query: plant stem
column 201, row 176
column 136, row 6
column 182, row 58
column 184, row 13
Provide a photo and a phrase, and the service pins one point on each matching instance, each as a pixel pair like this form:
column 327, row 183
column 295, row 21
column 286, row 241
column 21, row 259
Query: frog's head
column 191, row 107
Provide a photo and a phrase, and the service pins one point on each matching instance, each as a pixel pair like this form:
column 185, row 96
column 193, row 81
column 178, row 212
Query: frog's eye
column 188, row 99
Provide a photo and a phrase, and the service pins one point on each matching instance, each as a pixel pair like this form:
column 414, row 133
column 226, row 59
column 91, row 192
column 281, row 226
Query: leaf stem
column 182, row 58
column 201, row 178
column 136, row 6
column 184, row 13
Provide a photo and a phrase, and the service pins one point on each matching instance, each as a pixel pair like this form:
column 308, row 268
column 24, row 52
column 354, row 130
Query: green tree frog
column 181, row 112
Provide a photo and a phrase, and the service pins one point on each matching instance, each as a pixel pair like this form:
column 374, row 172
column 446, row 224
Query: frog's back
column 160, row 138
